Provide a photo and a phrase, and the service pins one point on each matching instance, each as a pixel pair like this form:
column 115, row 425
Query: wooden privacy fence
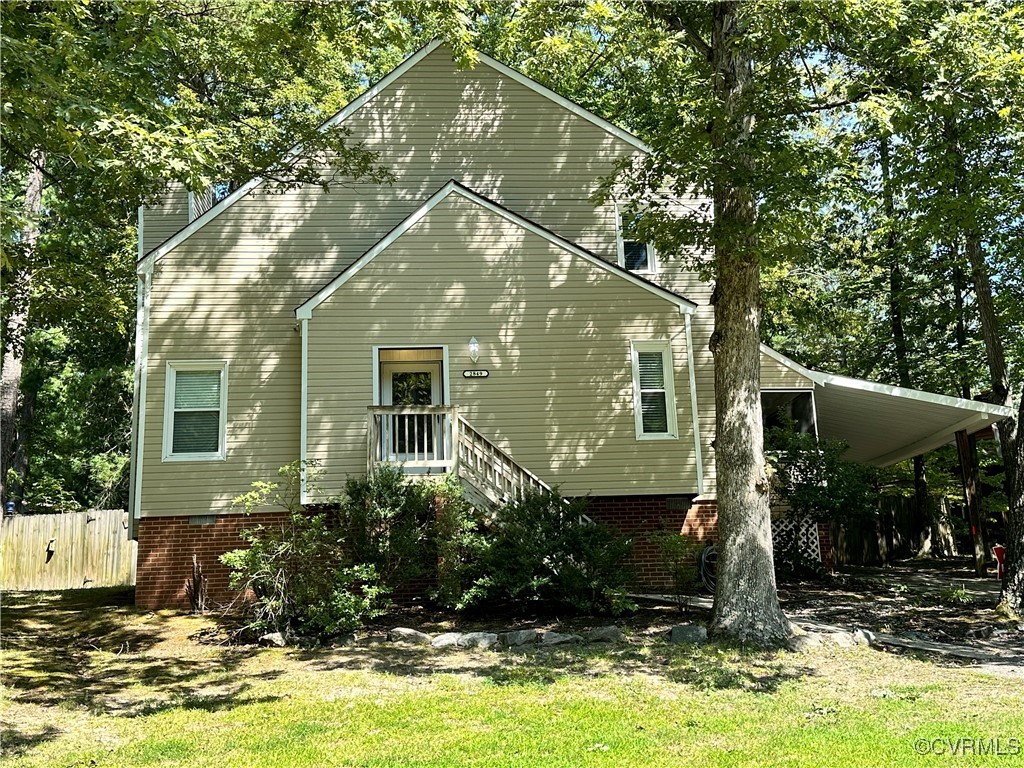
column 67, row 551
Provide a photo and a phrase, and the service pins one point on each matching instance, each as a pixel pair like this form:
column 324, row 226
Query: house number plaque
column 478, row 374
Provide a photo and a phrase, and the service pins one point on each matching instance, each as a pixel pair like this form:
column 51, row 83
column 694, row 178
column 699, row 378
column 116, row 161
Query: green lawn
column 117, row 687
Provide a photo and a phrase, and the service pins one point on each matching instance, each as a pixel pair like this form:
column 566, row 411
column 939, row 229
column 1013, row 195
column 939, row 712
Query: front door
column 411, row 436
column 410, row 383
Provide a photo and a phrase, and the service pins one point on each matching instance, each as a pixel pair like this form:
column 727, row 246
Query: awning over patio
column 883, row 424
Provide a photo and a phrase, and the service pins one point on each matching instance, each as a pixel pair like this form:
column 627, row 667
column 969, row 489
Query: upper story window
column 195, row 411
column 634, row 254
column 200, row 202
column 654, row 397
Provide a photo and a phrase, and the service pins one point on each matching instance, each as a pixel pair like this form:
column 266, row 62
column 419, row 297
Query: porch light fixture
column 474, row 349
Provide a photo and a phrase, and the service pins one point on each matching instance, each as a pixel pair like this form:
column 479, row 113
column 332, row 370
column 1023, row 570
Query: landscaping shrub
column 459, row 543
column 538, row 549
column 299, row 572
column 812, row 478
column 387, row 522
column 678, row 556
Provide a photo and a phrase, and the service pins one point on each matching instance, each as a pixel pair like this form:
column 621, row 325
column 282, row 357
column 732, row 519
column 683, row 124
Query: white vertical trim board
column 697, row 450
column 664, row 346
column 143, row 297
column 173, row 366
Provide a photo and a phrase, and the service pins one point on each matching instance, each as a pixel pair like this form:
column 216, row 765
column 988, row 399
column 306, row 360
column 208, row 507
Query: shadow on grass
column 705, row 667
column 92, row 649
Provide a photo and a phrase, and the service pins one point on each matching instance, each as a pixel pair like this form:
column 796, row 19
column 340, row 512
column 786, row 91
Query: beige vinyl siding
column 554, row 332
column 775, row 375
column 229, row 291
column 165, row 217
column 677, row 276
column 492, row 134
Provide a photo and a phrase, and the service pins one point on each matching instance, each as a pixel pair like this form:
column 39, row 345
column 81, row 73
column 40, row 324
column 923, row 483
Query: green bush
column 813, row 479
column 540, row 549
column 459, row 544
column 298, row 571
column 678, row 556
column 387, row 523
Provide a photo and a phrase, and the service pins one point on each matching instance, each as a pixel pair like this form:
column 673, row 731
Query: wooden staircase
column 428, row 440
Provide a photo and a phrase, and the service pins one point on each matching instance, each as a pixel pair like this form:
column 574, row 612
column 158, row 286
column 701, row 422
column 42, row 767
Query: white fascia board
column 305, row 310
column 972, row 423
column 998, row 411
column 847, row 382
column 368, row 95
column 563, row 102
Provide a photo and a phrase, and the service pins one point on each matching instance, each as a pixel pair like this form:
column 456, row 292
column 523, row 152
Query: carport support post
column 969, row 474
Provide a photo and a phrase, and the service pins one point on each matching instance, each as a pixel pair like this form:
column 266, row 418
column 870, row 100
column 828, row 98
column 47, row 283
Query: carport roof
column 883, row 424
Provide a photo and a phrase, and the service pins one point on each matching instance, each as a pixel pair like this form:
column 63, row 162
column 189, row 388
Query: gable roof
column 353, row 106
column 453, row 187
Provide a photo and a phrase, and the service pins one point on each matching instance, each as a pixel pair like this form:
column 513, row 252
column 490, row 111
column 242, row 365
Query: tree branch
column 677, row 23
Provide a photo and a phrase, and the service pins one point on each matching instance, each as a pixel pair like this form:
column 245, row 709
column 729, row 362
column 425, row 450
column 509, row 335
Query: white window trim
column 664, row 346
column 620, row 246
column 169, row 382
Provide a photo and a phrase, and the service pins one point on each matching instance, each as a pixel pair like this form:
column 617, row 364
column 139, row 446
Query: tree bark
column 969, row 473
column 1013, row 581
column 16, row 326
column 746, row 598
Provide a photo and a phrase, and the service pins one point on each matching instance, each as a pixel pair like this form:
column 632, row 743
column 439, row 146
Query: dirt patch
column 939, row 600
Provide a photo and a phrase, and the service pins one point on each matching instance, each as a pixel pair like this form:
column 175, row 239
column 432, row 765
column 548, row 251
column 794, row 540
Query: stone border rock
column 511, row 639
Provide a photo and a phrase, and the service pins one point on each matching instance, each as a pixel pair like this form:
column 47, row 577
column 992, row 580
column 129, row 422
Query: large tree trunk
column 746, row 599
column 17, row 320
column 1013, row 583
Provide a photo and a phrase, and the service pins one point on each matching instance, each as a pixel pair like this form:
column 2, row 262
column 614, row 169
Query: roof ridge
column 305, row 310
column 361, row 100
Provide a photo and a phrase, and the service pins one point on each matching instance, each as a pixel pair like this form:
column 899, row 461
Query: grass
column 86, row 684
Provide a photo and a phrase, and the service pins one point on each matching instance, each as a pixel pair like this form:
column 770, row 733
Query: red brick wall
column 166, row 546
column 639, row 516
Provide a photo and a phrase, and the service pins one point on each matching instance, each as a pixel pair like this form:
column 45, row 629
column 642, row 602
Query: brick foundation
column 639, row 516
column 166, row 546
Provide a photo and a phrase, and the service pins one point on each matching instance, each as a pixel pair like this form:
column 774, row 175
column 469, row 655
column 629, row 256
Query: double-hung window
column 634, row 254
column 654, row 399
column 195, row 411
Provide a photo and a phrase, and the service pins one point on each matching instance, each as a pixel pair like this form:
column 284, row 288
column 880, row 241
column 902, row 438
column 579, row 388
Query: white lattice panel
column 806, row 531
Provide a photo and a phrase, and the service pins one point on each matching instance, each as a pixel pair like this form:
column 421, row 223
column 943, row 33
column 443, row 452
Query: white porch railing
column 421, row 438
column 434, row 439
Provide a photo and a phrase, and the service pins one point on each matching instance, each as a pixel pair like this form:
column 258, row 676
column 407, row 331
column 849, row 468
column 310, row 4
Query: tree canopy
column 848, row 173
